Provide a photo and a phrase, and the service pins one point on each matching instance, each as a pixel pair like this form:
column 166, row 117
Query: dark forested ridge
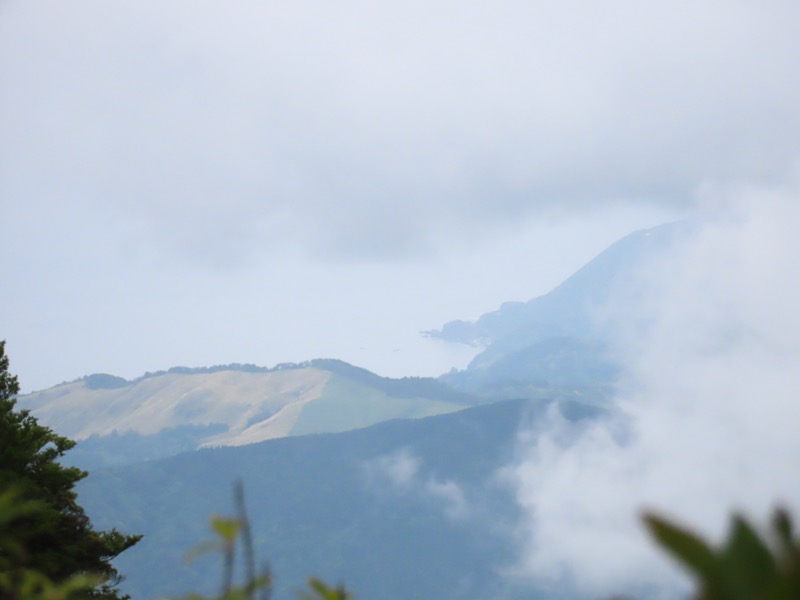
column 402, row 509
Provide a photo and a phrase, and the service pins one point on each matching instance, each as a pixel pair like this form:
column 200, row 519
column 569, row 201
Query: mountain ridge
column 563, row 343
column 188, row 408
column 328, row 504
column 571, row 308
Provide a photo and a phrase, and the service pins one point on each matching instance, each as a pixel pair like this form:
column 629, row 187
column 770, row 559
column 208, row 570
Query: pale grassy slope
column 250, row 406
column 242, row 401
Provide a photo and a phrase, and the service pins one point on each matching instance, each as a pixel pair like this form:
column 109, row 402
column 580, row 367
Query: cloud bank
column 705, row 419
column 356, row 131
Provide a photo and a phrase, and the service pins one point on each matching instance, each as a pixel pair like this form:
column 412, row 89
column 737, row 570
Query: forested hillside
column 404, row 509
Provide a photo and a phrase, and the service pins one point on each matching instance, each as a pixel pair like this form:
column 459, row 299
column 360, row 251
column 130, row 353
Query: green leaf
column 227, row 528
column 784, row 530
column 689, row 549
column 322, row 591
column 748, row 564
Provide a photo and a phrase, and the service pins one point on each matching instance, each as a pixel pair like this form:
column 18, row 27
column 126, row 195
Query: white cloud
column 705, row 420
column 401, row 469
column 451, row 495
column 398, row 468
column 199, row 182
column 382, row 131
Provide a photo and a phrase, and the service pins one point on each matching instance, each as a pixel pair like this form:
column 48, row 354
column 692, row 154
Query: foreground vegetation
column 47, row 539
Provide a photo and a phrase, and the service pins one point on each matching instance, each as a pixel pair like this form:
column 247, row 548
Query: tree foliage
column 50, row 535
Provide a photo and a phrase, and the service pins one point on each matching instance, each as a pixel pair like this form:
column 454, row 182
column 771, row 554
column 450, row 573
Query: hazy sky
column 193, row 182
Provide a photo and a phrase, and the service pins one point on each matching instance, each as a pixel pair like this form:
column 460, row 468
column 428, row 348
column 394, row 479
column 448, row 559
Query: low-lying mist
column 705, row 418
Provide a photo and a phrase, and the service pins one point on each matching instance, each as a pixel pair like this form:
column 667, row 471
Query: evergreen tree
column 57, row 539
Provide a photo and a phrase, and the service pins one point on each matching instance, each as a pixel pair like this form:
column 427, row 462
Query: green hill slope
column 117, row 421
